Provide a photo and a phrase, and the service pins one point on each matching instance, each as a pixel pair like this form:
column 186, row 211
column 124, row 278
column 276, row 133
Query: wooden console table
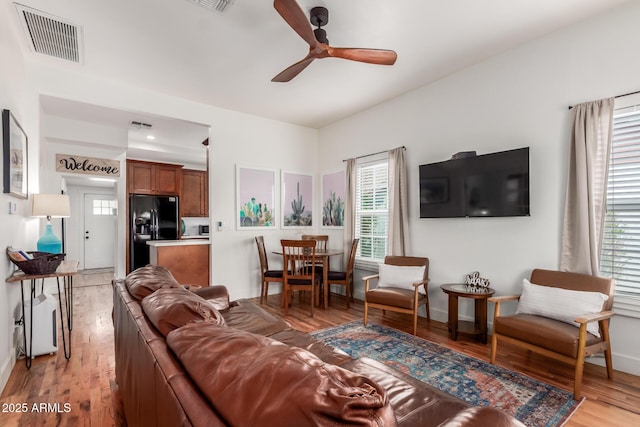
column 66, row 270
column 479, row 326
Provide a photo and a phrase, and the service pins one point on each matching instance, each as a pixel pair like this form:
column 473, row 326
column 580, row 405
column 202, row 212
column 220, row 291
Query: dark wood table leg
column 453, row 317
column 481, row 318
column 325, row 279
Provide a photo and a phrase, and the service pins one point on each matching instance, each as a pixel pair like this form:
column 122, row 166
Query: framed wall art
column 14, row 157
column 255, row 198
column 333, row 193
column 297, row 200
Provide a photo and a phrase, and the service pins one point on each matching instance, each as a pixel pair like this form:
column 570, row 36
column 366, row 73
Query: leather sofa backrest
column 148, row 279
column 576, row 282
column 171, row 308
column 254, row 380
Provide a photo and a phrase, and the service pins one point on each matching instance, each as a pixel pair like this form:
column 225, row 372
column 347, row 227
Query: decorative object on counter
column 297, row 200
column 14, row 157
column 35, row 262
column 475, row 282
column 255, row 198
column 50, row 206
column 183, row 227
column 333, row 194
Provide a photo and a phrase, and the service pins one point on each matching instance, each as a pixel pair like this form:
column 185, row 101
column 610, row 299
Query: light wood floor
column 87, row 381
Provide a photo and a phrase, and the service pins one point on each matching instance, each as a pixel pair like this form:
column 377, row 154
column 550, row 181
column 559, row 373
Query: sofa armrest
column 366, row 280
column 217, row 294
column 500, row 299
column 594, row 317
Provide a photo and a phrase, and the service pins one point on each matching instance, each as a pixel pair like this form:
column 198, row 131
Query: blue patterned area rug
column 472, row 380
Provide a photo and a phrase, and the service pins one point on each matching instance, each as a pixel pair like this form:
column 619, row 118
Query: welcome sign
column 87, row 165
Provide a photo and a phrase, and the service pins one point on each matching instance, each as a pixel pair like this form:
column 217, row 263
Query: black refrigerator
column 150, row 218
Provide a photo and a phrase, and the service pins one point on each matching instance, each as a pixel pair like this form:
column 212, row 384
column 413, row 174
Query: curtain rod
column 617, row 96
column 373, row 154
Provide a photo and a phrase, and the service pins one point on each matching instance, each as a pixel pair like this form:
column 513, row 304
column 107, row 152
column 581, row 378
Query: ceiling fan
column 318, row 44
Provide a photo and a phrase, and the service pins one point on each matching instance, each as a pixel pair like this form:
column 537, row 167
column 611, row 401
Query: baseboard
column 621, row 362
column 7, row 367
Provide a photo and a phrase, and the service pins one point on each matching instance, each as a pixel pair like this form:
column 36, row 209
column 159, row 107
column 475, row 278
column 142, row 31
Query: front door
column 99, row 230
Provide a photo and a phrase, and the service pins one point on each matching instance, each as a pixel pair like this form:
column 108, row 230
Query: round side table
column 479, row 326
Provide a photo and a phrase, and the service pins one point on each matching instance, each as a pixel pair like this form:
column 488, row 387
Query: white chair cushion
column 400, row 276
column 560, row 304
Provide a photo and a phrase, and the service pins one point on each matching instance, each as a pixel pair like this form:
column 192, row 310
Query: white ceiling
column 228, row 60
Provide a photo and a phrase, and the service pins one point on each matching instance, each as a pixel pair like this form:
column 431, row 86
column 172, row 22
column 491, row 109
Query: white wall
column 17, row 229
column 235, row 138
column 516, row 99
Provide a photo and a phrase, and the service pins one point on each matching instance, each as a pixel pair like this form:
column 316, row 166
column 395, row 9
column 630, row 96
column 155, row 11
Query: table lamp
column 50, row 206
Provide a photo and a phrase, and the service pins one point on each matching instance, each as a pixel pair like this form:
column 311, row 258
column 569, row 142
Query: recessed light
column 151, row 137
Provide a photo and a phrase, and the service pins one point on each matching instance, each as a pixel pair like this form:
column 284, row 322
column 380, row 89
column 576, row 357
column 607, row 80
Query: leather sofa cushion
column 482, row 416
column 148, row 279
column 551, row 334
column 414, row 402
column 249, row 317
column 254, row 380
column 170, row 308
column 216, row 295
column 321, row 350
column 396, row 297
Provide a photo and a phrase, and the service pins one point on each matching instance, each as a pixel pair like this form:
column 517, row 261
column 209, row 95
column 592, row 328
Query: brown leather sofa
column 194, row 359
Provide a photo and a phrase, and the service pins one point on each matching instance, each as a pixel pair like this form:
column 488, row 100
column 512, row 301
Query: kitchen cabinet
column 153, row 178
column 195, row 193
column 187, row 260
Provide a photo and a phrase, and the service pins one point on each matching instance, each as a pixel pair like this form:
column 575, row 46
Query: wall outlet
column 13, row 207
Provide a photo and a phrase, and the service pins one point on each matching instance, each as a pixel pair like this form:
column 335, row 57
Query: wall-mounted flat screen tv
column 489, row 185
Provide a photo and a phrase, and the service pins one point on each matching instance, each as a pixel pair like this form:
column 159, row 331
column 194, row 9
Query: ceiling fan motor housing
column 319, row 16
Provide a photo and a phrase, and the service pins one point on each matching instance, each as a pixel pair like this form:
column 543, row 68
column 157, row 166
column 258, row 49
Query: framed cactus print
column 255, row 198
column 297, row 200
column 333, row 193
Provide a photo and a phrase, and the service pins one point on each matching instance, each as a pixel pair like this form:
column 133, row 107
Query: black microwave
column 203, row 230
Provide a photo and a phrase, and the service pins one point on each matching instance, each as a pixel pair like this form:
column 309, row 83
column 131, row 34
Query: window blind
column 620, row 257
column 372, row 213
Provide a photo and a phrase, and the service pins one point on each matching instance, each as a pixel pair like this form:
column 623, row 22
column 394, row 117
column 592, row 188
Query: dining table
column 324, row 256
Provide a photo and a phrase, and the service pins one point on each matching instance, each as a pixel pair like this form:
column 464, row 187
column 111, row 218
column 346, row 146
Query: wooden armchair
column 554, row 338
column 400, row 297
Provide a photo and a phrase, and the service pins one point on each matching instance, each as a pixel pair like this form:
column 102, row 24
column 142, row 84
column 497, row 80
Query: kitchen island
column 187, row 260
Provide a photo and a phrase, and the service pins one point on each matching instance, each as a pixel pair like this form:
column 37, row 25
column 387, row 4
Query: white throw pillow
column 560, row 304
column 400, row 276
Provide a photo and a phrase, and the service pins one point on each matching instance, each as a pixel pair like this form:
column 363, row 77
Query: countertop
column 187, row 242
column 195, row 236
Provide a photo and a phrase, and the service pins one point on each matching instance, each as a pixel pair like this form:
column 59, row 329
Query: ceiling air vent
column 51, row 35
column 217, row 5
column 140, row 125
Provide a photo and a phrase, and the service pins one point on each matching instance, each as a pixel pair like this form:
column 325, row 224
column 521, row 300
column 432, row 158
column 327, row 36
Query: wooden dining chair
column 321, row 240
column 345, row 278
column 266, row 275
column 321, row 246
column 299, row 258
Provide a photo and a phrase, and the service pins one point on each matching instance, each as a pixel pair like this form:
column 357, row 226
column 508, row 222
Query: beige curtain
column 398, row 236
column 349, row 208
column 585, row 202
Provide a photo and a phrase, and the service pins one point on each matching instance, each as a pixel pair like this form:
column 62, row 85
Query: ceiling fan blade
column 294, row 16
column 292, row 71
column 370, row 56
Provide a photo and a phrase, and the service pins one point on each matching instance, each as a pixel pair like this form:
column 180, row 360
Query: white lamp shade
column 50, row 205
